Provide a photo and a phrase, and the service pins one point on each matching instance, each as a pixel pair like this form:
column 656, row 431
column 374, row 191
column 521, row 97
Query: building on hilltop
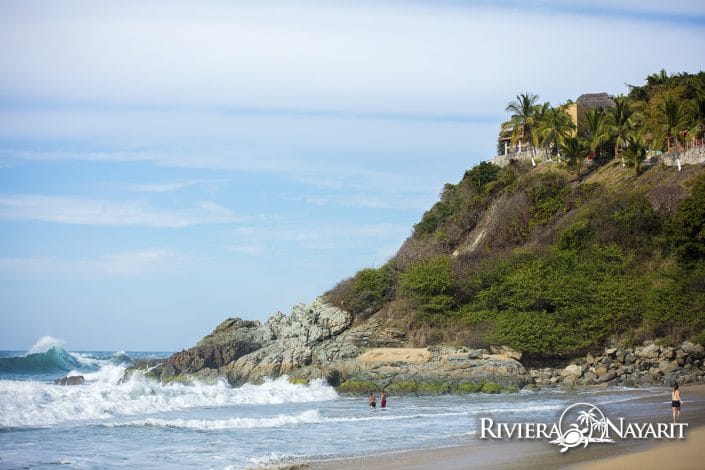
column 519, row 150
column 586, row 102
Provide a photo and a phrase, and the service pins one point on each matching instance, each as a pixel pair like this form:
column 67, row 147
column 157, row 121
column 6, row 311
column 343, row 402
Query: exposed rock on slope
column 318, row 341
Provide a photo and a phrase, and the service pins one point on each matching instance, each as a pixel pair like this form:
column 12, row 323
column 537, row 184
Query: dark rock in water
column 73, row 380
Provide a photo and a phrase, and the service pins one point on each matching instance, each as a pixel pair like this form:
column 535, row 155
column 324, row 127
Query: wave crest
column 26, row 403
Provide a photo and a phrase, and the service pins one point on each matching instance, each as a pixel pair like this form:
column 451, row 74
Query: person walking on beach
column 676, row 402
column 383, row 400
column 372, row 402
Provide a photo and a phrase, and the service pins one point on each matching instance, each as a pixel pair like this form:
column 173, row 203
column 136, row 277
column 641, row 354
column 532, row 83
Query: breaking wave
column 48, row 356
column 28, row 403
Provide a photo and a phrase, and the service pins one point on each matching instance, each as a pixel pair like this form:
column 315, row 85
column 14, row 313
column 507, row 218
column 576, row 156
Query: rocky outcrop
column 73, row 380
column 649, row 364
column 319, row 341
column 242, row 350
column 432, row 371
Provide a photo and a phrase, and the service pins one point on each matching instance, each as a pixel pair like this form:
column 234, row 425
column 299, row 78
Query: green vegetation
column 352, row 386
column 409, row 387
column 551, row 264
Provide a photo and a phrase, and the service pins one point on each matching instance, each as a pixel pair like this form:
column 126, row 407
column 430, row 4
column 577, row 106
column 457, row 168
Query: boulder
column 477, row 353
column 693, row 349
column 506, row 352
column 667, row 353
column 667, row 367
column 573, row 371
column 611, row 375
column 72, row 380
column 650, row 351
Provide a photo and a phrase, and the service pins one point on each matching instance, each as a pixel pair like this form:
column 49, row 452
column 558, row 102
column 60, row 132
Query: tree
column 672, row 118
column 573, row 152
column 523, row 121
column 672, row 122
column 658, row 78
column 620, row 122
column 595, row 133
column 688, row 225
column 698, row 108
column 635, row 152
column 553, row 126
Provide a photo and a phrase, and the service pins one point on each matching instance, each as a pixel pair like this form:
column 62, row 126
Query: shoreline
column 539, row 454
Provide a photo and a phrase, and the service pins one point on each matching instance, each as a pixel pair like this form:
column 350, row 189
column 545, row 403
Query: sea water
column 139, row 423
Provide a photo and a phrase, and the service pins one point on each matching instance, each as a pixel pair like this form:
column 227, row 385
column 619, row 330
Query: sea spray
column 45, row 343
column 25, row 403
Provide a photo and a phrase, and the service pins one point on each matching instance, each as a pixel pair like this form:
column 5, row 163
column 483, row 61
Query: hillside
column 546, row 262
column 601, row 241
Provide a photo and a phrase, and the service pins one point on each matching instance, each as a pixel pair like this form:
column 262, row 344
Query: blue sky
column 165, row 165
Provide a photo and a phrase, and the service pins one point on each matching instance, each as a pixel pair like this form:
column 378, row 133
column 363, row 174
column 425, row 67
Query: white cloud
column 362, row 57
column 116, row 265
column 317, row 237
column 84, row 211
column 168, row 186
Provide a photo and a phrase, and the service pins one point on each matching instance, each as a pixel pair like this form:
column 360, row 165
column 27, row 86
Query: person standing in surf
column 676, row 402
column 383, row 400
column 372, row 402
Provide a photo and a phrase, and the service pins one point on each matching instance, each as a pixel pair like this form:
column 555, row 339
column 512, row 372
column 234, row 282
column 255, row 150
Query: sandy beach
column 508, row 454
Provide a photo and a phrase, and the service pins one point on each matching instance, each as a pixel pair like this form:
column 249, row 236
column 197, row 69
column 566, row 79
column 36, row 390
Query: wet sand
column 500, row 455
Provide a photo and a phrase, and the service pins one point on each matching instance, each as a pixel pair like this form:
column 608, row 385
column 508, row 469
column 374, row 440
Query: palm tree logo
column 590, row 426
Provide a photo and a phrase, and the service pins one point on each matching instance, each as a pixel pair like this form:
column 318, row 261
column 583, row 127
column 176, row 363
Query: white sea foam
column 44, row 344
column 25, row 403
column 306, row 417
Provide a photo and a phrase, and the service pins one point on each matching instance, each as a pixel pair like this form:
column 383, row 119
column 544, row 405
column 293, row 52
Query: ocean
column 108, row 423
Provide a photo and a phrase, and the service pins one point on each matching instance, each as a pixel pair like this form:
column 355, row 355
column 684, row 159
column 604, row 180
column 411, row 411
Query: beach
column 537, row 454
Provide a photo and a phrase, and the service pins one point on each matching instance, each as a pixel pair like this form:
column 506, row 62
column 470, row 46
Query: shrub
column 482, row 174
column 547, row 193
column 433, row 277
column 366, row 292
column 687, row 230
column 575, row 236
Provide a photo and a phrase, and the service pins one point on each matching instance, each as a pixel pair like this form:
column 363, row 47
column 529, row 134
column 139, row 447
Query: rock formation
column 320, row 341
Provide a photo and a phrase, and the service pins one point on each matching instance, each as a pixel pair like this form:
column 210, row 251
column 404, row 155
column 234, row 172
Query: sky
column 166, row 165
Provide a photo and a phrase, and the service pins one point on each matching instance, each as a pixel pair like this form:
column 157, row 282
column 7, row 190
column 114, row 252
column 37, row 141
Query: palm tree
column 553, row 126
column 658, row 78
column 635, row 152
column 672, row 118
column 620, row 122
column 523, row 121
column 672, row 121
column 573, row 152
column 595, row 132
column 698, row 109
